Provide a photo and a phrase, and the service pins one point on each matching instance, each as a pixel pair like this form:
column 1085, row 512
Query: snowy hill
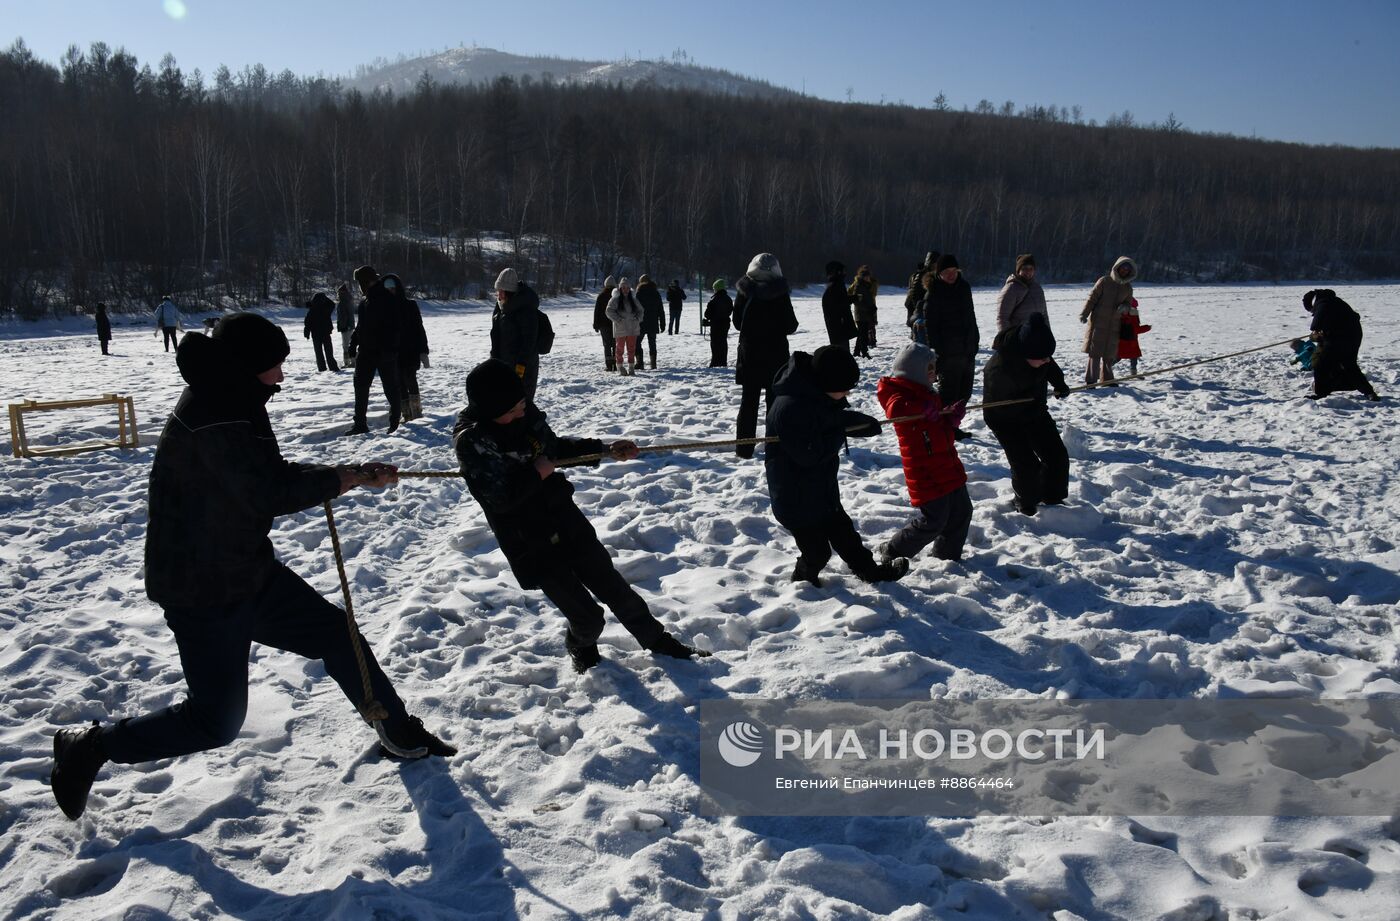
column 1223, row 537
column 482, row 65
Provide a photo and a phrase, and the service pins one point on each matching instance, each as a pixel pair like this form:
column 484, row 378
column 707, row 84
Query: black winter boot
column 802, row 572
column 78, row 754
column 668, row 645
column 359, row 428
column 892, row 571
column 584, row 657
column 412, row 741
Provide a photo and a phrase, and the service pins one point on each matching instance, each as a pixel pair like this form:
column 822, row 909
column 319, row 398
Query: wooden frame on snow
column 127, row 436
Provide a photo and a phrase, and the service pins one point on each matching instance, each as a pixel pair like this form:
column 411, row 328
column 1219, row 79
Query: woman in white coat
column 625, row 312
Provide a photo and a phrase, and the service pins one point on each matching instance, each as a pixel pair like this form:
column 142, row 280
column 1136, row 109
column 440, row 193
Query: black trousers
column 1335, row 369
column 651, row 347
column 325, row 352
column 214, row 643
column 583, row 575
column 386, row 364
column 104, row 346
column 865, row 338
column 675, row 326
column 1039, row 462
column 816, row 542
column 747, row 425
column 608, row 345
column 942, row 522
column 719, row 345
column 169, row 338
column 955, row 377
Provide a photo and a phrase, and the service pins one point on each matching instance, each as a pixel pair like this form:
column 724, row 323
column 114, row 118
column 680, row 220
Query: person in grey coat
column 1101, row 314
column 1021, row 296
column 626, row 313
column 345, row 322
column 168, row 320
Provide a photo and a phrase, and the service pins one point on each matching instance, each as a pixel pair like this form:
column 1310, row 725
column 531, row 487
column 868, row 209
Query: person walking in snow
column 1103, row 318
column 413, row 348
column 764, row 316
column 717, row 314
column 1130, row 326
column 625, row 313
column 653, row 315
column 863, row 291
column 168, row 320
column 345, row 322
column 1021, row 296
column 515, row 328
column 104, row 328
column 217, row 483
column 602, row 325
column 317, row 327
column 1336, row 328
column 811, row 420
column 914, row 315
column 376, row 346
column 507, row 452
column 675, row 298
column 952, row 331
column 836, row 307
column 933, row 472
column 1021, row 367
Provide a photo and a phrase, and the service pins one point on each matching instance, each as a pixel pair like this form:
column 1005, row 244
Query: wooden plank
column 72, row 449
column 35, row 406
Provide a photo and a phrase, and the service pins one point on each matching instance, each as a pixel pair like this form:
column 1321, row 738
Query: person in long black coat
column 653, row 318
column 376, row 343
column 717, row 315
column 413, row 348
column 104, row 328
column 1336, row 328
column 764, row 316
column 602, row 325
column 1021, row 367
column 507, row 450
column 515, row 328
column 319, row 324
column 836, row 307
column 810, row 419
column 914, row 317
column 952, row 330
column 675, row 299
column 218, row 481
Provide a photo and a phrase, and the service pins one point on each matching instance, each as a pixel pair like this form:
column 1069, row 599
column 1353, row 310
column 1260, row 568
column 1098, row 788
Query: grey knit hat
column 508, row 281
column 912, row 363
column 609, row 282
column 764, row 267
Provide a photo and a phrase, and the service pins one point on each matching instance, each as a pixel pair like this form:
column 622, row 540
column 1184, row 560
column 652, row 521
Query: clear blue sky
column 1297, row 70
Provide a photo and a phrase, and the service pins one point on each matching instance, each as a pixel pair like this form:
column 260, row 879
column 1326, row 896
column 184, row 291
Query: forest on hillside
column 122, row 182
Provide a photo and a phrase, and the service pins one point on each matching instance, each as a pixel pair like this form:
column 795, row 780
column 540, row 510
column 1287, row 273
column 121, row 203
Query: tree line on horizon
column 120, row 182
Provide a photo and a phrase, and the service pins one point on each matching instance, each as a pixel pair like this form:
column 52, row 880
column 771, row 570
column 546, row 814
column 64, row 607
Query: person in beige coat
column 1101, row 313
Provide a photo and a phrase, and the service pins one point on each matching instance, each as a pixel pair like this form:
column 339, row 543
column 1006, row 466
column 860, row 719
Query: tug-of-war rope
column 373, row 711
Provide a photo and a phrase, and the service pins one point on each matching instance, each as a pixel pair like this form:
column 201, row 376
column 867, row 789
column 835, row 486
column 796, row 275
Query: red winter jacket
column 931, row 465
column 1129, row 328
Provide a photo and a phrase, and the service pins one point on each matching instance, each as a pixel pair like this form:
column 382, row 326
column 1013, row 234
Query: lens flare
column 175, row 9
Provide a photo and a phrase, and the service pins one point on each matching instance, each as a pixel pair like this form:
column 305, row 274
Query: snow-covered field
column 1224, row 537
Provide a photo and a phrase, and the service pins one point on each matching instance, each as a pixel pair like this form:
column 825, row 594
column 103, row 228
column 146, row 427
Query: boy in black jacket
column 1020, row 369
column 810, row 420
column 507, row 452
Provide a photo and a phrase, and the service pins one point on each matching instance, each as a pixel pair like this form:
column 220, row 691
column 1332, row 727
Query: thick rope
column 735, row 442
column 372, row 710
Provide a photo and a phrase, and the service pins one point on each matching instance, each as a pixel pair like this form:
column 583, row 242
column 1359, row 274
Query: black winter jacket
column 1006, row 376
column 320, row 316
column 764, row 316
column 675, row 297
column 535, row 520
column 377, row 329
column 836, row 310
column 217, row 483
column 802, row 465
column 719, row 310
column 653, row 314
column 104, row 327
column 952, row 322
column 1339, row 324
column 601, row 323
column 515, row 328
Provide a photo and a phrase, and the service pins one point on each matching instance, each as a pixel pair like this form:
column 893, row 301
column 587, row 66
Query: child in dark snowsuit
column 810, row 420
column 935, row 476
column 1020, row 369
column 104, row 328
column 507, row 452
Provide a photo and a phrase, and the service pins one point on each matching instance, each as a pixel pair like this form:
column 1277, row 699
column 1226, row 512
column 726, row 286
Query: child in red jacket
column 1129, row 327
column 935, row 476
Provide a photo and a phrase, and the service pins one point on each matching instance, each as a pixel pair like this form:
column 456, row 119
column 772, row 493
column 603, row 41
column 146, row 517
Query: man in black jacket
column 515, row 328
column 320, row 323
column 764, row 316
column 914, row 315
column 836, row 307
column 675, row 298
column 717, row 314
column 1020, row 369
column 217, row 483
column 952, row 331
column 810, row 419
column 1336, row 328
column 507, row 452
column 376, row 342
column 653, row 316
column 602, row 325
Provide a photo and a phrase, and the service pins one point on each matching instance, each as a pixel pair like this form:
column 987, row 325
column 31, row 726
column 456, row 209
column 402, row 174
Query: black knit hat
column 493, row 388
column 835, row 268
column 946, row 261
column 834, row 369
column 1035, row 337
column 1024, row 260
column 1308, row 300
column 255, row 344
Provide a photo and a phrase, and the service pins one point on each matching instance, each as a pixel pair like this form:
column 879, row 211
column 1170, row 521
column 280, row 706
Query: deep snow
column 1223, row 537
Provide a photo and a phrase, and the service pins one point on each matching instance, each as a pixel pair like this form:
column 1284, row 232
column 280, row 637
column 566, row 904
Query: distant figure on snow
column 507, row 451
column 104, row 328
column 675, row 298
column 376, row 348
column 836, row 307
column 602, row 325
column 168, row 320
column 653, row 316
column 1336, row 328
column 1130, row 326
column 413, row 348
column 764, row 316
column 717, row 314
column 952, row 331
column 515, row 328
column 863, row 291
column 1021, row 367
column 318, row 326
column 345, row 322
column 626, row 313
column 914, row 315
column 1101, row 313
